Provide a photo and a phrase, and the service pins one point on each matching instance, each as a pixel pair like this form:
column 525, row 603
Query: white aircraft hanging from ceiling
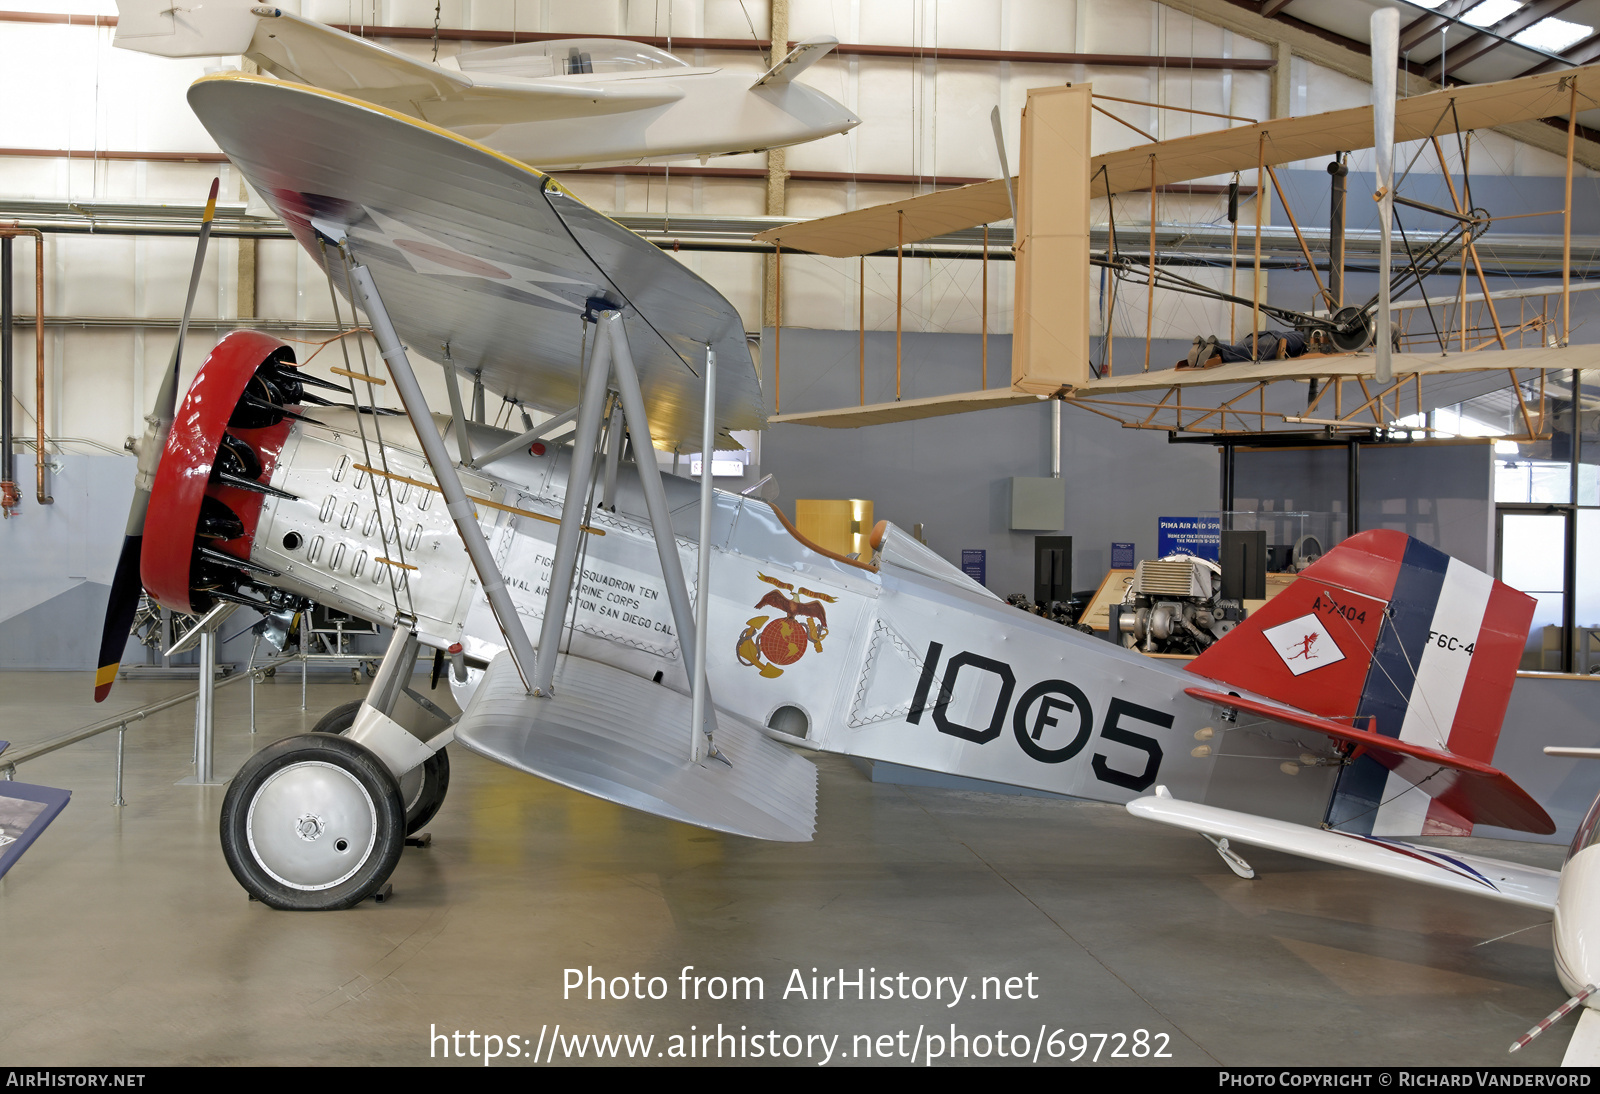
column 562, row 104
column 553, row 577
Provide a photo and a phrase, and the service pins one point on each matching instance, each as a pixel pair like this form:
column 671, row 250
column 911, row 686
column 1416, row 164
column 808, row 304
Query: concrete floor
column 124, row 940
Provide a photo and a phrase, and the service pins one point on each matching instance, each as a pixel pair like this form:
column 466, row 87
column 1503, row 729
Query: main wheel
column 313, row 823
column 422, row 789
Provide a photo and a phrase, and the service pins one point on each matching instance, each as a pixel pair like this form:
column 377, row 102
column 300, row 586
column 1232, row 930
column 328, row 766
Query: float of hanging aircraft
column 658, row 643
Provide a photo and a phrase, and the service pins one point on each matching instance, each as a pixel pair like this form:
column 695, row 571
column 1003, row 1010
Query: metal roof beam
column 1479, row 44
column 1354, row 59
column 1585, row 52
column 1420, row 30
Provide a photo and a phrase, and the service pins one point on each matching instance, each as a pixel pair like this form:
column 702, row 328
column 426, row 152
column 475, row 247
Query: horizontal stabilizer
column 619, row 737
column 800, row 58
column 1584, row 1048
column 1476, row 791
column 1511, row 882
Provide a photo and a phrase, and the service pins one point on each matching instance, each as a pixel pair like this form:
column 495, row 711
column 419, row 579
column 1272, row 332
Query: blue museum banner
column 1198, row 536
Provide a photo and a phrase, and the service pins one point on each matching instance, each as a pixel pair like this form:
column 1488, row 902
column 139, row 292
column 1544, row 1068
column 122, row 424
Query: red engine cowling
column 209, row 485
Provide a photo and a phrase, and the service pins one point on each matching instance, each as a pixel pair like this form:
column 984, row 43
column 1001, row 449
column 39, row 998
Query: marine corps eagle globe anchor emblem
column 766, row 646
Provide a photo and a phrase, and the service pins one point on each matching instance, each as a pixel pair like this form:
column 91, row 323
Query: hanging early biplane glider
column 566, row 103
column 642, row 685
column 1354, row 382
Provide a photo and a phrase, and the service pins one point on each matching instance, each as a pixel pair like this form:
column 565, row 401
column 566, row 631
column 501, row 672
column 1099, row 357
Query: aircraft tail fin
column 159, row 27
column 1392, row 636
column 798, row 59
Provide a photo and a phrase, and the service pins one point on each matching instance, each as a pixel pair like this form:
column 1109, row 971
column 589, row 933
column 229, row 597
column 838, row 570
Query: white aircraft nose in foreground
column 578, row 102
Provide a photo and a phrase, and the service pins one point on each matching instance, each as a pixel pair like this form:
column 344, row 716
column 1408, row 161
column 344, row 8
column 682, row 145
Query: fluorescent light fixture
column 1553, row 35
column 724, row 468
column 1490, row 12
column 1427, row 3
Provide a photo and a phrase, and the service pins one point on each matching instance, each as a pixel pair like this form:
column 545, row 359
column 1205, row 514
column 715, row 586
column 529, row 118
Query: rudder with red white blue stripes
column 1397, row 637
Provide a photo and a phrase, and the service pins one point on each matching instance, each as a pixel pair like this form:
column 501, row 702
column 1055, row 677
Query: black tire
column 422, row 791
column 312, row 823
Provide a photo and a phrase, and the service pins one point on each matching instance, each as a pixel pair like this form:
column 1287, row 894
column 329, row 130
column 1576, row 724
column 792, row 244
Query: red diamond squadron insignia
column 768, row 645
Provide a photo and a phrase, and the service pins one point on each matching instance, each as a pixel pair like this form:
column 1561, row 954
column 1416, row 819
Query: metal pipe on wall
column 9, row 496
column 9, row 232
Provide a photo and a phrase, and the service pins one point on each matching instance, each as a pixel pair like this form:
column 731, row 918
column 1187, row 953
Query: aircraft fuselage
column 910, row 663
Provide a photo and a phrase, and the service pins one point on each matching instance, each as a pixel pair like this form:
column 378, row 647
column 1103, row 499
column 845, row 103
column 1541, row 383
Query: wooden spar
column 1527, row 419
column 1150, row 310
column 1466, row 173
column 1255, row 305
column 1461, row 300
column 1233, row 277
column 1483, row 283
column 1472, row 252
column 777, row 333
column 1121, row 121
column 1183, row 109
column 1304, row 250
column 1566, row 225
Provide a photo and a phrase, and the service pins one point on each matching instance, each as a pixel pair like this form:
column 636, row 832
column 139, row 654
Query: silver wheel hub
column 311, row 826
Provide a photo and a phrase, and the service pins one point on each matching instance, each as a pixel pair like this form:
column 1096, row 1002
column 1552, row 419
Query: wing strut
column 455, row 495
column 613, row 340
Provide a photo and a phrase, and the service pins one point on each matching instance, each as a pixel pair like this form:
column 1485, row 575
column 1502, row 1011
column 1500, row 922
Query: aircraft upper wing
column 480, row 257
column 1277, row 141
column 1511, row 882
column 313, row 53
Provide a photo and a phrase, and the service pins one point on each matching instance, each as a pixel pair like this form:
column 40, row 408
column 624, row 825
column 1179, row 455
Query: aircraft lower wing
column 1478, row 792
column 1510, row 882
column 623, row 738
column 480, row 258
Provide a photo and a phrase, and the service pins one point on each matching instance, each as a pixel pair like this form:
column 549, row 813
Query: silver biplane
column 659, row 644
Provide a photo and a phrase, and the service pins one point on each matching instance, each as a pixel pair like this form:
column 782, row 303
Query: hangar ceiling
column 1454, row 41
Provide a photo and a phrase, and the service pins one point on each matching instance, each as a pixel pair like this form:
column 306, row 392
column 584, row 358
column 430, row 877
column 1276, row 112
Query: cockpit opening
column 567, row 57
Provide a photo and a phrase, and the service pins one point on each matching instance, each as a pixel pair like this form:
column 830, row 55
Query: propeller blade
column 120, row 610
column 1385, row 75
column 125, row 586
column 1005, row 167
